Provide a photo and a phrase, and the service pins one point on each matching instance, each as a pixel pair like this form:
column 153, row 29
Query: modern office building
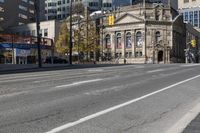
column 57, row 9
column 191, row 11
column 16, row 12
column 120, row 3
column 172, row 3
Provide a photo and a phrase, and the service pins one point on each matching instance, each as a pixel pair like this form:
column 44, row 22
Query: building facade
column 192, row 52
column 172, row 3
column 16, row 12
column 16, row 49
column 57, row 9
column 191, row 11
column 156, row 37
column 48, row 29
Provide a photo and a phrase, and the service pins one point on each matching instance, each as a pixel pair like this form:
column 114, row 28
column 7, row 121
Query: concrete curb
column 33, row 68
column 185, row 120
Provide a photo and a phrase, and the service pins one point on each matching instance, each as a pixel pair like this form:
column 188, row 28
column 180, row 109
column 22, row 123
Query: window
column 22, row 16
column 139, row 39
column 25, row 1
column 107, row 39
column 128, row 40
column 130, row 54
column 138, row 54
column 186, row 16
column 59, row 2
column 22, row 7
column 33, row 33
column 196, row 18
column 40, row 33
column 45, row 32
column 119, row 39
column 31, row 2
column 191, row 17
column 157, row 38
column 1, row 9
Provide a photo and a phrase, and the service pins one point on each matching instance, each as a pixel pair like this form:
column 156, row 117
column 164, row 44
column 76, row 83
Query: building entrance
column 160, row 56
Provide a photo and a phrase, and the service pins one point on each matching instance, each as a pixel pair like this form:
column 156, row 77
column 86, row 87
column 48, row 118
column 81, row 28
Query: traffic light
column 193, row 43
column 111, row 20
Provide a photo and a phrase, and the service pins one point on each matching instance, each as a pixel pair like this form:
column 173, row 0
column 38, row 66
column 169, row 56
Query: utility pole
column 102, row 14
column 37, row 9
column 145, row 29
column 70, row 33
column 13, row 52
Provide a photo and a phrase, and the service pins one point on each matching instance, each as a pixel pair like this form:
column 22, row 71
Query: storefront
column 22, row 53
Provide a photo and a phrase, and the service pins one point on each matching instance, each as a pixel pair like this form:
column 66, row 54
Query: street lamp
column 70, row 33
column 37, row 10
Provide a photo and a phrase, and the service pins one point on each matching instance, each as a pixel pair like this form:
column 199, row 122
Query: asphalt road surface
column 117, row 99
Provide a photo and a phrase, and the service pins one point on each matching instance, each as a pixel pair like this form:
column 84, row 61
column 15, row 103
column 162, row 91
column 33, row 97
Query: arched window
column 157, row 37
column 139, row 39
column 128, row 40
column 108, row 42
column 119, row 38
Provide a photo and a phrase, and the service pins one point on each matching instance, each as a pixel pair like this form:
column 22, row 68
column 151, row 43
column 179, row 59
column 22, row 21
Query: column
column 123, row 44
column 133, row 43
column 113, row 44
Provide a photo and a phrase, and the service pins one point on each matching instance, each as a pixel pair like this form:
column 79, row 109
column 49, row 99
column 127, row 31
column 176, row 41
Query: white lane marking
column 12, row 94
column 157, row 70
column 95, row 70
column 190, row 65
column 24, row 76
column 185, row 120
column 78, row 83
column 99, row 92
column 72, row 124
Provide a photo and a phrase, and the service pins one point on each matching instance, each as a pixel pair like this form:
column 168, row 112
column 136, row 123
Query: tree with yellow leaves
column 62, row 44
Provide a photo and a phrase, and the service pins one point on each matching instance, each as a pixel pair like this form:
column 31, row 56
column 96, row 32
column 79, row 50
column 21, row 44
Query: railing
column 8, row 38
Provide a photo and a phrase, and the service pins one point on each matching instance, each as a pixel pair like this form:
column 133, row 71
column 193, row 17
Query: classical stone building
column 150, row 33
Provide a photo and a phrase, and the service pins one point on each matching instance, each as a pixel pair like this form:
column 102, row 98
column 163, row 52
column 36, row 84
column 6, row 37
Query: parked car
column 56, row 60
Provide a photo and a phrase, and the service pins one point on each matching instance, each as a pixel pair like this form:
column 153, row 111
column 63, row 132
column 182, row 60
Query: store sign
column 22, row 52
column 23, row 46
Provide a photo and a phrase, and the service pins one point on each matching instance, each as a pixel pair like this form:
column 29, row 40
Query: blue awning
column 5, row 45
column 22, row 46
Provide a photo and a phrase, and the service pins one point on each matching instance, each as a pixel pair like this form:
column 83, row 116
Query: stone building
column 150, row 33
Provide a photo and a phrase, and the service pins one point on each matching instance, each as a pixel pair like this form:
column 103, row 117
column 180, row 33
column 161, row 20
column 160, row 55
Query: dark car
column 56, row 60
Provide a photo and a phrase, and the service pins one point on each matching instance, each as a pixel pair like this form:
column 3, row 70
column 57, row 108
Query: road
column 118, row 99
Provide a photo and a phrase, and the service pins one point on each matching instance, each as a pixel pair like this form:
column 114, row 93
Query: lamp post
column 37, row 10
column 102, row 39
column 145, row 30
column 70, row 34
column 12, row 38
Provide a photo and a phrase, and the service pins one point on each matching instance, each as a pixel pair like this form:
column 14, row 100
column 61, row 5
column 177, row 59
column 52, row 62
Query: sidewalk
column 194, row 126
column 10, row 68
column 21, row 68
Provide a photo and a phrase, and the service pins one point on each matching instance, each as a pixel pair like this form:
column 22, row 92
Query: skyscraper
column 16, row 12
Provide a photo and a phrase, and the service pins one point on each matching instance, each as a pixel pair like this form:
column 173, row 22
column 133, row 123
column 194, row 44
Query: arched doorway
column 160, row 56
